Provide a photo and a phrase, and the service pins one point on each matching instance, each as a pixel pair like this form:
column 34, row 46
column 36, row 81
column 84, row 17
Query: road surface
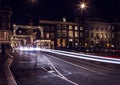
column 42, row 68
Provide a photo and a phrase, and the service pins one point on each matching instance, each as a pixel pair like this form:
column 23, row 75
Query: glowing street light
column 33, row 1
column 83, row 5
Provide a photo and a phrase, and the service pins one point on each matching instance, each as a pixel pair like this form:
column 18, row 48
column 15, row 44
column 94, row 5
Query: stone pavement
column 31, row 68
column 3, row 80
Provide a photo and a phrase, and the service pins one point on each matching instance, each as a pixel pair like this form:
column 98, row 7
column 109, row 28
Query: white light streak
column 75, row 55
column 85, row 56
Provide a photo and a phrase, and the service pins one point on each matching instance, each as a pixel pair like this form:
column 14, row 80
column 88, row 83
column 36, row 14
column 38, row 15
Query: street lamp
column 33, row 1
column 83, row 6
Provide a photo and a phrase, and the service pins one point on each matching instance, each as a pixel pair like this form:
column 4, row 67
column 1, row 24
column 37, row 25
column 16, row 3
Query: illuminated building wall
column 115, row 35
column 93, row 35
column 64, row 34
column 98, row 35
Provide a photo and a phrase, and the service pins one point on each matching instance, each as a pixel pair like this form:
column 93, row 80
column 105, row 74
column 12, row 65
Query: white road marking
column 77, row 65
column 59, row 74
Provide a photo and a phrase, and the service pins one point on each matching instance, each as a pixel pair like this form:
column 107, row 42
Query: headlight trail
column 76, row 55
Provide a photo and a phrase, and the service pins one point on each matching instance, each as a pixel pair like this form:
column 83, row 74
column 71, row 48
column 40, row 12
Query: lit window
column 81, row 34
column 70, row 27
column 70, row 40
column 47, row 35
column 70, row 33
column 59, row 33
column 102, row 35
column 76, row 34
column 58, row 42
column 76, row 27
column 63, row 42
column 81, row 28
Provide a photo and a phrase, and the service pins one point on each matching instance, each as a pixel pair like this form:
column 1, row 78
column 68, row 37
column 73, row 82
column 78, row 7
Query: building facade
column 98, row 35
column 63, row 34
column 93, row 36
column 116, row 35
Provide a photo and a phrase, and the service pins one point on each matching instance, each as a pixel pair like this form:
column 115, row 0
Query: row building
column 90, row 35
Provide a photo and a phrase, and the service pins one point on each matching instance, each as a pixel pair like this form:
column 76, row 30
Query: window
column 113, row 27
column 70, row 33
column 64, row 42
column 52, row 28
column 64, row 33
column 70, row 27
column 76, row 27
column 59, row 33
column 71, row 40
column 81, row 28
column 59, row 26
column 64, row 26
column 91, row 42
column 4, row 35
column 91, row 28
column 52, row 35
column 97, row 35
column 47, row 28
column 97, row 28
column 76, row 34
column 81, row 34
column 102, row 29
column 92, row 35
column 112, row 35
column 87, row 34
column 101, row 35
column 106, row 35
column 58, row 42
column 76, row 41
column 47, row 35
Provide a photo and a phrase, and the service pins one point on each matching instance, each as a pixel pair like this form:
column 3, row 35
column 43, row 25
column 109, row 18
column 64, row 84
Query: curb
column 8, row 73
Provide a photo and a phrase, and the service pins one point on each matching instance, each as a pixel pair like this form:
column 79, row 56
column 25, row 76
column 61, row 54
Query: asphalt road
column 35, row 68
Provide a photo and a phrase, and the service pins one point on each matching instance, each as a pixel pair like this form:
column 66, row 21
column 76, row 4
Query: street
column 43, row 68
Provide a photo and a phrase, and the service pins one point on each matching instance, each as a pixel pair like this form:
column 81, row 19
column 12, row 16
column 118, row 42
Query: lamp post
column 82, row 7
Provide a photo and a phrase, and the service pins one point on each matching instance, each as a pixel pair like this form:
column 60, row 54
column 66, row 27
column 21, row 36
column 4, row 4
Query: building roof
column 57, row 22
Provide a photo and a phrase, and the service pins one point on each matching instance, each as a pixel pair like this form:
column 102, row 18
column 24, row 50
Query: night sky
column 24, row 10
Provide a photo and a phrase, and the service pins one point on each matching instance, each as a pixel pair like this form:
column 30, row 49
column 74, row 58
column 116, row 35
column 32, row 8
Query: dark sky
column 23, row 10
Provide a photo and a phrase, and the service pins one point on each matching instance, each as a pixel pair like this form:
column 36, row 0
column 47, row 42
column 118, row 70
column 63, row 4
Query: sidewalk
column 6, row 77
column 3, row 80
